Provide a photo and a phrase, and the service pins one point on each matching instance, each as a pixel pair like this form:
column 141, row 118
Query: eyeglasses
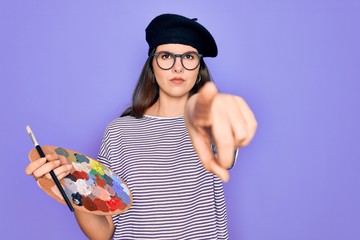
column 166, row 60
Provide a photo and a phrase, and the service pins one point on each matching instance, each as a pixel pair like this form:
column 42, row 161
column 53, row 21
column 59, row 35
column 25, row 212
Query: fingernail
column 69, row 166
column 42, row 160
column 57, row 162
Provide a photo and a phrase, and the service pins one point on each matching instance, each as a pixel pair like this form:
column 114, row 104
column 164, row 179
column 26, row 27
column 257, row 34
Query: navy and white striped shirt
column 173, row 196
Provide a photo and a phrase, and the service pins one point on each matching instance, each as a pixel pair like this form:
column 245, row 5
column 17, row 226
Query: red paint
column 89, row 204
column 115, row 203
column 99, row 181
column 80, row 175
column 101, row 205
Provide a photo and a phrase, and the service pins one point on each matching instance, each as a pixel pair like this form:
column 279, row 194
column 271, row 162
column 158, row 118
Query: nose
column 178, row 67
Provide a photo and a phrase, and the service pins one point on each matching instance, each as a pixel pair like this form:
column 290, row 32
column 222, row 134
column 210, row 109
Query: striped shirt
column 173, row 196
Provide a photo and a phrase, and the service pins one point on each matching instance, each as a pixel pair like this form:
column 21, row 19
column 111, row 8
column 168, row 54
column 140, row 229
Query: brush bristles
column 28, row 129
column 31, row 134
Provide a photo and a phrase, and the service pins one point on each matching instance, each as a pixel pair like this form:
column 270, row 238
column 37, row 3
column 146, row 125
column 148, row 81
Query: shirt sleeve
column 104, row 155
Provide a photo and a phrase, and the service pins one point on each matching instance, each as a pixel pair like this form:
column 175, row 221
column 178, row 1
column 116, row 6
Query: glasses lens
column 190, row 60
column 165, row 60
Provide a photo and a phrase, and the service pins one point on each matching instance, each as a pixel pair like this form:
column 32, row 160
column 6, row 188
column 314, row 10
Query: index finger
column 33, row 165
column 54, row 156
column 204, row 100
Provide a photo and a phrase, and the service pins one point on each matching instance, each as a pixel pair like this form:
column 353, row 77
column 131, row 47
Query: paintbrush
column 53, row 176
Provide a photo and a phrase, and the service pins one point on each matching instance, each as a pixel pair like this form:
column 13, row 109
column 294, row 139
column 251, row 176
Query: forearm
column 95, row 226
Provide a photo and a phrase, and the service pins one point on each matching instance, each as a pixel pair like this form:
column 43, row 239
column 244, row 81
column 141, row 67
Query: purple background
column 67, row 68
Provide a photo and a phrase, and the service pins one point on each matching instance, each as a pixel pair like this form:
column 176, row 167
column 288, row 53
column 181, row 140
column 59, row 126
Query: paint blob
column 103, row 194
column 63, row 152
column 110, row 190
column 80, row 175
column 82, row 187
column 77, row 199
column 101, row 205
column 115, row 203
column 81, row 158
column 99, row 181
column 89, row 204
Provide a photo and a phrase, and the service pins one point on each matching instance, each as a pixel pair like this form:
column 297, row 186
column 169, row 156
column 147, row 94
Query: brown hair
column 146, row 92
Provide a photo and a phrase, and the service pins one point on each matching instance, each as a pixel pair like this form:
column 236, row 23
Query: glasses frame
column 181, row 56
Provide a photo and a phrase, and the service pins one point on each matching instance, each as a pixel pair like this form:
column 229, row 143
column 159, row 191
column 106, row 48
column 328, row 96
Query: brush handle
column 56, row 180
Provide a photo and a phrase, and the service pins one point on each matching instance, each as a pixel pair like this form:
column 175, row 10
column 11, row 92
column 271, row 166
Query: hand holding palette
column 91, row 186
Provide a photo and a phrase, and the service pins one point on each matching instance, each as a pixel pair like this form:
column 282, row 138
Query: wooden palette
column 90, row 187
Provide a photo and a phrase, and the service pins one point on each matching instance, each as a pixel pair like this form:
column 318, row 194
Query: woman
column 156, row 145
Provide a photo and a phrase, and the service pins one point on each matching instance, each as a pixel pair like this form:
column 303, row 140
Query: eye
column 189, row 56
column 165, row 55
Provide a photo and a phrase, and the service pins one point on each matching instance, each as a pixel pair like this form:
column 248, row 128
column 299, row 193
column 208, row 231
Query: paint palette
column 90, row 187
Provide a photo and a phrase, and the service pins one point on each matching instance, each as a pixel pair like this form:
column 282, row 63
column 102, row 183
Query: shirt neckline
column 156, row 117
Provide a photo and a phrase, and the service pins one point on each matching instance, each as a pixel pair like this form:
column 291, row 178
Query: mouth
column 177, row 80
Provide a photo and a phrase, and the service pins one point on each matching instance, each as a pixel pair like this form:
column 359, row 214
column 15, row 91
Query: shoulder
column 120, row 122
column 116, row 128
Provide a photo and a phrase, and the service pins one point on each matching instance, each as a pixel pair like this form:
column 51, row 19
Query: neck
column 169, row 107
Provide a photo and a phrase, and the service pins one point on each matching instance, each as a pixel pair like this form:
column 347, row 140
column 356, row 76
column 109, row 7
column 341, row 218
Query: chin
column 177, row 94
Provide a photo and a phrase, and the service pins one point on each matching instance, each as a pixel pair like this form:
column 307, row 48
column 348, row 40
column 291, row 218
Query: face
column 177, row 81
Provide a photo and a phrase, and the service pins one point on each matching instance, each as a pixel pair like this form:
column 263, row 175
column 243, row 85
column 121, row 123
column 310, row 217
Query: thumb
column 207, row 157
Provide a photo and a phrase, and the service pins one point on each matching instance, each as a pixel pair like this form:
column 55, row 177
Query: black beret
column 173, row 28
